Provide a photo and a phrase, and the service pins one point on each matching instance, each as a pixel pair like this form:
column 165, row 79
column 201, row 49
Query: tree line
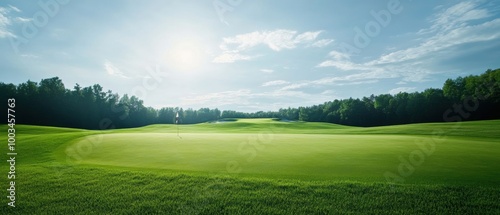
column 474, row 97
column 50, row 103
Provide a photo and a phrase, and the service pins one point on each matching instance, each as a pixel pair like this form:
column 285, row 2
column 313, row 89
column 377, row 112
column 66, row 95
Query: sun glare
column 186, row 56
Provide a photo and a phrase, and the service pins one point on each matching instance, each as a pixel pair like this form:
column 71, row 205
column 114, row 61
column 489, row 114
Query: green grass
column 257, row 166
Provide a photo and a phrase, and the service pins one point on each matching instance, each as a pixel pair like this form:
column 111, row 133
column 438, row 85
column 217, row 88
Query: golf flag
column 177, row 118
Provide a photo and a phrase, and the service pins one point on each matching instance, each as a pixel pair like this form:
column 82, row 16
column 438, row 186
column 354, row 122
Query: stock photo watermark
column 363, row 35
column 426, row 147
column 48, row 10
column 75, row 154
column 225, row 6
column 11, row 153
column 249, row 149
column 150, row 82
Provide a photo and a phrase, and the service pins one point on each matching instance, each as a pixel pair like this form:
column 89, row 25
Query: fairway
column 267, row 165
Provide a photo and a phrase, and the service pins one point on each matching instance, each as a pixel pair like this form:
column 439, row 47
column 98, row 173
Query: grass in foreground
column 89, row 190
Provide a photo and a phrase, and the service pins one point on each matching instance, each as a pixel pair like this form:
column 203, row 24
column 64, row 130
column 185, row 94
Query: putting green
column 409, row 158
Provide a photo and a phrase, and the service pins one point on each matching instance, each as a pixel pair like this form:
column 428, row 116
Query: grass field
column 258, row 166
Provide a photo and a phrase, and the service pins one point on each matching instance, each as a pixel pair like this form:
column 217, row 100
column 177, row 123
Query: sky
column 248, row 55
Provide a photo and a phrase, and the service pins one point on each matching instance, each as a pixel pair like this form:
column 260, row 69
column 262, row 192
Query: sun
column 185, row 56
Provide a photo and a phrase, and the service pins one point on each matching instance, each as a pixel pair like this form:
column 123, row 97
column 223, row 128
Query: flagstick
column 177, row 123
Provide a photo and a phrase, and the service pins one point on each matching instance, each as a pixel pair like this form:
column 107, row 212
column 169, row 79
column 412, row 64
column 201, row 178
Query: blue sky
column 248, row 55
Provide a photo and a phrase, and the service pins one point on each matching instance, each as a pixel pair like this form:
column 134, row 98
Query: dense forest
column 50, row 103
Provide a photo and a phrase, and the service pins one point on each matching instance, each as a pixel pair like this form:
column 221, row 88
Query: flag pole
column 177, row 123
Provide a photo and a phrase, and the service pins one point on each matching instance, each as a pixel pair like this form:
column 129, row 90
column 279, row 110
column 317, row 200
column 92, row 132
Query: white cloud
column 21, row 19
column 230, row 57
column 342, row 61
column 328, row 92
column 4, row 22
column 343, row 65
column 267, row 70
column 358, row 82
column 359, row 78
column 113, row 70
column 467, row 34
column 275, row 83
column 30, row 56
column 449, row 29
column 455, row 16
column 276, row 40
column 352, row 79
column 307, row 36
column 339, row 55
column 295, row 86
column 280, row 39
column 322, row 43
column 401, row 89
column 243, row 41
column 14, row 8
